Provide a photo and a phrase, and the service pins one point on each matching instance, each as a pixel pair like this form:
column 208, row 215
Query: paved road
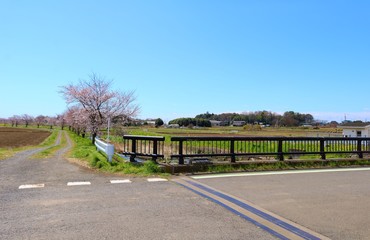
column 139, row 209
column 334, row 203
column 54, row 199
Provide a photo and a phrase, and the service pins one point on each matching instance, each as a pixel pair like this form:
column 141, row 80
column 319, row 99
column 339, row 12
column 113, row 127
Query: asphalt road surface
column 55, row 199
column 335, row 202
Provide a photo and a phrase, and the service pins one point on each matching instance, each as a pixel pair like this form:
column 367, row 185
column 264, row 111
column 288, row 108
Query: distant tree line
column 289, row 119
column 41, row 120
column 188, row 122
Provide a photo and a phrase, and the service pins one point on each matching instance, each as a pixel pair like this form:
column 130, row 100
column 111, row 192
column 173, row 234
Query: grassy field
column 228, row 131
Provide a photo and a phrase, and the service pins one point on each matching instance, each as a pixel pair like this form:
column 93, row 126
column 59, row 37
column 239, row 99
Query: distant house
column 175, row 125
column 150, row 122
column 215, row 123
column 238, row 123
column 356, row 129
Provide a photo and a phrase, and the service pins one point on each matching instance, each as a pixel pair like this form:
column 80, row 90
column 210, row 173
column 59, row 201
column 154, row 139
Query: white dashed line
column 78, row 183
column 157, row 180
column 27, row 186
column 85, row 183
column 120, row 181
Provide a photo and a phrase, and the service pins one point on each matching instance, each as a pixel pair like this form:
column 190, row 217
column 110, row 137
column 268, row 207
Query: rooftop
column 355, row 124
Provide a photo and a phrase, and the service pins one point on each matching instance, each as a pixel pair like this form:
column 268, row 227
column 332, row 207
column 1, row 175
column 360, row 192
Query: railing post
column 181, row 157
column 322, row 149
column 359, row 148
column 155, row 150
column 133, row 150
column 232, row 150
column 280, row 150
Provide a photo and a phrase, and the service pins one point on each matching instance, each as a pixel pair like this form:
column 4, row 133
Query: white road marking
column 27, row 186
column 78, row 183
column 121, row 181
column 247, row 174
column 157, row 180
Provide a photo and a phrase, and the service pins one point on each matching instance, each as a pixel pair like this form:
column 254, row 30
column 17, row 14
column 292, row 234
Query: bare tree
column 15, row 119
column 27, row 119
column 99, row 101
column 4, row 121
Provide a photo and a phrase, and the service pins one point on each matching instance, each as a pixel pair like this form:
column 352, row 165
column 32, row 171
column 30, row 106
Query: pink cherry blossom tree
column 98, row 102
column 40, row 120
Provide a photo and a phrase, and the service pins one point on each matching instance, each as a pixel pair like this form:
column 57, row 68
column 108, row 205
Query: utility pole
column 108, row 129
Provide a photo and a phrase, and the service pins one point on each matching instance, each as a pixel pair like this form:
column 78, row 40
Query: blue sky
column 183, row 58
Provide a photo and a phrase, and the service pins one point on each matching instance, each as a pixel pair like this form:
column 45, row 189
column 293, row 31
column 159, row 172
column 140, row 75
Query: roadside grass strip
column 120, row 181
column 29, row 186
column 157, row 180
column 270, row 222
column 78, row 183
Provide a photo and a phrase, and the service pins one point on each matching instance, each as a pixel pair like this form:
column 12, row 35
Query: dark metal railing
column 182, row 147
column 147, row 146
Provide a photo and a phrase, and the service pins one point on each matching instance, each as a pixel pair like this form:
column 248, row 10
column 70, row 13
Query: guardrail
column 146, row 146
column 105, row 147
column 182, row 147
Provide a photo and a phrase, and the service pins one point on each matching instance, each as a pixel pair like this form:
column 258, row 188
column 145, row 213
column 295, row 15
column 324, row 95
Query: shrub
column 252, row 127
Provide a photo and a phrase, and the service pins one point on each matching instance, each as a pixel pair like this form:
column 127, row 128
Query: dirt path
column 22, row 169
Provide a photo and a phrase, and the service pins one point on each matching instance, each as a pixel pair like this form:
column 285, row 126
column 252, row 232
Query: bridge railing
column 146, row 146
column 182, row 147
column 105, row 147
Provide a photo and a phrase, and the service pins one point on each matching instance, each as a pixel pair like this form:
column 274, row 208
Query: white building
column 356, row 129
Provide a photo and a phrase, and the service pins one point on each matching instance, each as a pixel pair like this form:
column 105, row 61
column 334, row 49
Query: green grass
column 52, row 148
column 50, row 140
column 146, row 169
column 10, row 152
column 85, row 151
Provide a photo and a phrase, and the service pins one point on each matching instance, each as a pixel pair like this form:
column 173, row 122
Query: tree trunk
column 93, row 138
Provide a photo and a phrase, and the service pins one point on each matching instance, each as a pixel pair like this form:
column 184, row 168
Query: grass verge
column 10, row 152
column 50, row 140
column 53, row 147
column 84, row 151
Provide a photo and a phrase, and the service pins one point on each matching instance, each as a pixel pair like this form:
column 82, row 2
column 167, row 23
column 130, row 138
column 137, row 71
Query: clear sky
column 184, row 58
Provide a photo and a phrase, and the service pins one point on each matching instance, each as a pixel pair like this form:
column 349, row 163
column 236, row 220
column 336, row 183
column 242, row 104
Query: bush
column 151, row 167
column 252, row 127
